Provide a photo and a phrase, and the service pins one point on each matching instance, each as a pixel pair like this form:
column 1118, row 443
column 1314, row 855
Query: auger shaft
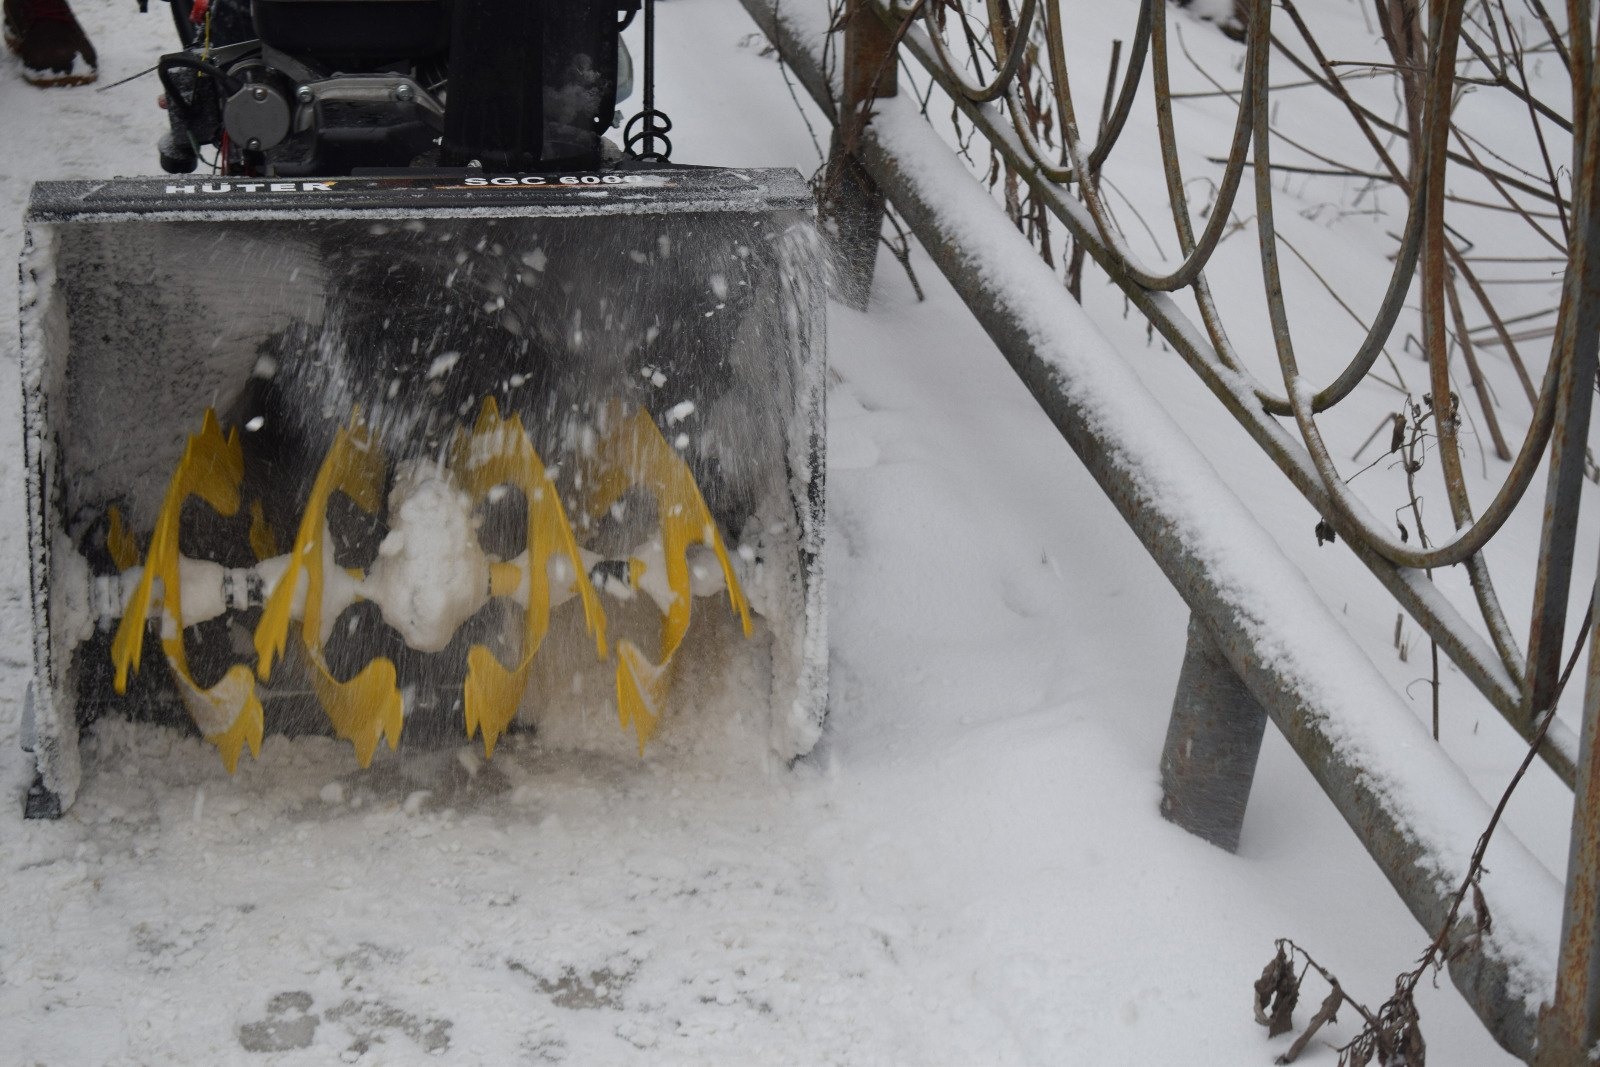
column 210, row 590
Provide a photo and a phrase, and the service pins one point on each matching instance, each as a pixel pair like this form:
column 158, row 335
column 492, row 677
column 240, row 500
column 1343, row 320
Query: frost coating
column 42, row 324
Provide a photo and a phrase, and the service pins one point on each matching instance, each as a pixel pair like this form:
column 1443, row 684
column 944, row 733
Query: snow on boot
column 52, row 46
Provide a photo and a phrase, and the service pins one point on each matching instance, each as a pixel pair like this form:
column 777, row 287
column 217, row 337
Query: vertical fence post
column 1568, row 455
column 852, row 203
column 1213, row 740
column 1571, row 1025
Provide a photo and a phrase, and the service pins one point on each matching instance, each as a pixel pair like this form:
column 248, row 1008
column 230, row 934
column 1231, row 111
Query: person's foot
column 50, row 43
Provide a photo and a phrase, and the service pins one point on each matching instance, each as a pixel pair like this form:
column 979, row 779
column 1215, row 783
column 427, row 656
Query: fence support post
column 1571, row 1024
column 852, row 203
column 1213, row 740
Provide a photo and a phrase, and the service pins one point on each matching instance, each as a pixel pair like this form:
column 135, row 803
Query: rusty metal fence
column 1003, row 66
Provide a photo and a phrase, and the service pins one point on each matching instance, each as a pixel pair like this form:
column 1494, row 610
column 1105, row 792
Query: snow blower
column 427, row 402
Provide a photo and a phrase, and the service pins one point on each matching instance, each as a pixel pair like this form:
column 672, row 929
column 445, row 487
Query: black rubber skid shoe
column 41, row 803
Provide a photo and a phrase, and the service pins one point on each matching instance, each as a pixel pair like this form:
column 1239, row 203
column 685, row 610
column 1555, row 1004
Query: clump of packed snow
column 431, row 574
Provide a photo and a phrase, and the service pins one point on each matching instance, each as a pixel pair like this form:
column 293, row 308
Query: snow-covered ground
column 970, row 869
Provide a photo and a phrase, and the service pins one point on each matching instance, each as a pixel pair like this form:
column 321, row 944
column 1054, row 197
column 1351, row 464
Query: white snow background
column 969, row 870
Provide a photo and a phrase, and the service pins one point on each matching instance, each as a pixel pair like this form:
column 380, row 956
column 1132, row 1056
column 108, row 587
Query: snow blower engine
column 429, row 408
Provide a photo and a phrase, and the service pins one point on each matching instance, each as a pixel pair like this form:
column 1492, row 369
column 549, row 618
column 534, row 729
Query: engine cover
column 353, row 29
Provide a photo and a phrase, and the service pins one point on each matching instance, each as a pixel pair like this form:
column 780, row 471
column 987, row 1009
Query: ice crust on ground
column 971, row 869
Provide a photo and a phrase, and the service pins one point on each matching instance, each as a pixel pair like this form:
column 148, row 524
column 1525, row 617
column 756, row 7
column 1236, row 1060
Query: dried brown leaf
column 1413, row 1047
column 1327, row 1013
column 1481, row 906
column 1287, row 996
column 1267, row 984
column 1397, row 438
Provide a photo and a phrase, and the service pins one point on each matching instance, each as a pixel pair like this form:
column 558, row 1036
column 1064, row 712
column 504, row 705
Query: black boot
column 50, row 43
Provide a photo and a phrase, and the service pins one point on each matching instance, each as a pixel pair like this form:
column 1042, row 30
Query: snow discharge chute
column 390, row 454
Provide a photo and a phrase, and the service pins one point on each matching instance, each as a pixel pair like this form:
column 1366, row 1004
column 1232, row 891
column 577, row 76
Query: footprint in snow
column 290, row 1024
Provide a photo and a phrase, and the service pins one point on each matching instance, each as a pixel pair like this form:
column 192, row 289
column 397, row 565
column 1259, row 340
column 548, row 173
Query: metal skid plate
column 693, row 294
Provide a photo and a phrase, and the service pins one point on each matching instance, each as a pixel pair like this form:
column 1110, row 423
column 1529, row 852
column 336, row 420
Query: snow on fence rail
column 1255, row 623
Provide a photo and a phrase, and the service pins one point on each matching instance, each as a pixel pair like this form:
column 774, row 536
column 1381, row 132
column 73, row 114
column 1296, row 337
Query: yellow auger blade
column 229, row 713
column 120, row 545
column 635, row 453
column 498, row 452
column 367, row 707
column 263, row 542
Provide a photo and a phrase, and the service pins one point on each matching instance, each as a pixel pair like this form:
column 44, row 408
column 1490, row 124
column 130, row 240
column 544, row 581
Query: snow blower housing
column 428, row 405
column 344, row 453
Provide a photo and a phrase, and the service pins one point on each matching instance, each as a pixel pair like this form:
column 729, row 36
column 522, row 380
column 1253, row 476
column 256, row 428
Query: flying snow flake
column 442, row 365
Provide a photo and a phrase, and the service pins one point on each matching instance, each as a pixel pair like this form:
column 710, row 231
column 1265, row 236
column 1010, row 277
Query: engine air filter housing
column 353, row 29
column 533, row 83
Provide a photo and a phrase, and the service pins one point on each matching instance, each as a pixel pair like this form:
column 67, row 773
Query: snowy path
column 971, row 869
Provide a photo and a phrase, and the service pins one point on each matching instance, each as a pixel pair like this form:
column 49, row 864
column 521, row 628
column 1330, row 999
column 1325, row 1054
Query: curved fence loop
column 1138, row 52
column 1008, row 58
column 1352, row 514
column 1252, row 131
